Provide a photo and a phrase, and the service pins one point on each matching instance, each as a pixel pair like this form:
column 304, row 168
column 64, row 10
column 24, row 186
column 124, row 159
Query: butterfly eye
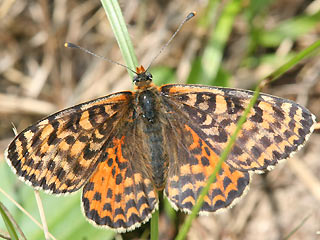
column 136, row 79
column 148, row 76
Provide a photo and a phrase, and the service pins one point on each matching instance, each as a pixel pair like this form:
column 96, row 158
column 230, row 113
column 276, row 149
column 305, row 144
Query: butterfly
column 126, row 147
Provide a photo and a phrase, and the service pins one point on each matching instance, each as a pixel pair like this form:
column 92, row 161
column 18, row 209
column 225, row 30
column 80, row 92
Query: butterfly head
column 143, row 77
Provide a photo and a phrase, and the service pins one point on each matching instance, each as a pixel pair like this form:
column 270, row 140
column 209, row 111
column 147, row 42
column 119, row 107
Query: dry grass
column 38, row 76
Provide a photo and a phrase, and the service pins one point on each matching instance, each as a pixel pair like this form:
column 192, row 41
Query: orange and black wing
column 275, row 128
column 201, row 121
column 121, row 194
column 191, row 162
column 59, row 153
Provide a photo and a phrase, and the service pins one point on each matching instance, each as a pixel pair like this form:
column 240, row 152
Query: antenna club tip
column 191, row 15
column 70, row 45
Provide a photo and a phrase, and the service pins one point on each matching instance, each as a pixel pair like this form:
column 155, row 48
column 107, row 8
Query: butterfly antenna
column 72, row 45
column 187, row 18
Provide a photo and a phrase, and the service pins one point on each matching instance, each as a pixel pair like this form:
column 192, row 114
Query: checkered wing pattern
column 275, row 128
column 59, row 153
column 121, row 194
column 206, row 118
column 191, row 163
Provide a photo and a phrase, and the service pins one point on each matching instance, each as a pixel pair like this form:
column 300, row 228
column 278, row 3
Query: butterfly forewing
column 59, row 153
column 275, row 127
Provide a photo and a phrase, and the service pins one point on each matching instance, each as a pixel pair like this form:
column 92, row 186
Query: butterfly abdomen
column 149, row 107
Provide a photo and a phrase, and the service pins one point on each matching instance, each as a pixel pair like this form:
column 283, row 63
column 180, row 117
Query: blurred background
column 230, row 43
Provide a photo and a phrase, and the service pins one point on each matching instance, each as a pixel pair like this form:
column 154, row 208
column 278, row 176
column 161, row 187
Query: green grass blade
column 296, row 59
column 12, row 232
column 292, row 29
column 209, row 13
column 282, row 69
column 155, row 225
column 297, row 228
column 213, row 53
column 120, row 31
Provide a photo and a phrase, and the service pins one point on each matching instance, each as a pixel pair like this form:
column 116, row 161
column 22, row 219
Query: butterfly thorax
column 147, row 95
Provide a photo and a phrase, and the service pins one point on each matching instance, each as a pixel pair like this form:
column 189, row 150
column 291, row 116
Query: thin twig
column 24, row 211
column 297, row 228
column 42, row 215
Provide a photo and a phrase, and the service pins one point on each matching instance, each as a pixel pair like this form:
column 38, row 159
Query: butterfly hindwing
column 275, row 127
column 191, row 162
column 120, row 194
column 59, row 153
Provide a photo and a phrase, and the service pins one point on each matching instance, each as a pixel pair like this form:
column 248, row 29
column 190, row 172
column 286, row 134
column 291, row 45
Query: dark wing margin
column 59, row 153
column 276, row 128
